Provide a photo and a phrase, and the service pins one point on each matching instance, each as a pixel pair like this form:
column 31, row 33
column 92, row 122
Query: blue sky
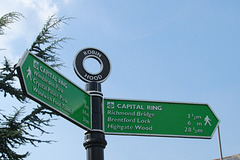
column 176, row 51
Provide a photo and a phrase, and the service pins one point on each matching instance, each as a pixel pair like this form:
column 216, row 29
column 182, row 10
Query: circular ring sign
column 81, row 71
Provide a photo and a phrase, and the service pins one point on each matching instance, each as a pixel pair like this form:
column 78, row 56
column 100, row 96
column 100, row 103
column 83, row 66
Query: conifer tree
column 17, row 129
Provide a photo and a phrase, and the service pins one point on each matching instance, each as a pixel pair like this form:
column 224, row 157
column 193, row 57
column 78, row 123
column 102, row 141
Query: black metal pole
column 95, row 142
column 220, row 145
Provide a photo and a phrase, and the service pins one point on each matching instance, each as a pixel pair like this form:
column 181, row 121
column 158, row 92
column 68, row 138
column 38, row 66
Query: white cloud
column 43, row 8
column 38, row 10
column 67, row 1
column 22, row 33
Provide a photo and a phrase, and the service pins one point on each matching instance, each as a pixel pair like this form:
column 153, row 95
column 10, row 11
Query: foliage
column 46, row 42
column 7, row 19
column 7, row 78
column 17, row 129
column 14, row 132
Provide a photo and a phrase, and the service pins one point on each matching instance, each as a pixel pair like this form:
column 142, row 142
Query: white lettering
column 92, row 52
column 130, row 106
column 143, row 121
column 155, row 108
column 89, row 77
column 145, row 114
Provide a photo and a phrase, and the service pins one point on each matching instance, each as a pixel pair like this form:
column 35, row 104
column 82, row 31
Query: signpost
column 148, row 118
column 43, row 84
column 81, row 71
column 109, row 116
column 95, row 138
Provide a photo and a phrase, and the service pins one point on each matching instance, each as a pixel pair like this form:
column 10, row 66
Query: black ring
column 82, row 73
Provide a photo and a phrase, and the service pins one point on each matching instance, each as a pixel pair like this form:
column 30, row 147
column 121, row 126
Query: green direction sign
column 48, row 87
column 148, row 118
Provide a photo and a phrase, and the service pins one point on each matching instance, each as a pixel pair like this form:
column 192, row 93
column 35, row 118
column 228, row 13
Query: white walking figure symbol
column 29, row 73
column 207, row 121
